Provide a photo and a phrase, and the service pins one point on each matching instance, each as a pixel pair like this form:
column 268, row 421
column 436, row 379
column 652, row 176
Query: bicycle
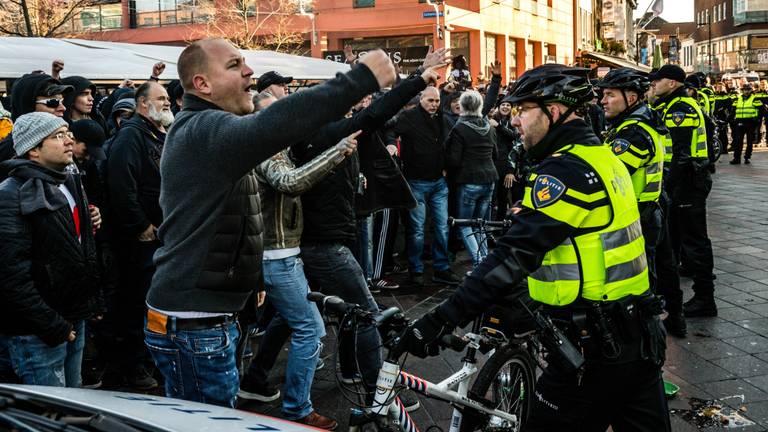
column 499, row 399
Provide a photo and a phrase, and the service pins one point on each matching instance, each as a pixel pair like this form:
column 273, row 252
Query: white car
column 39, row 408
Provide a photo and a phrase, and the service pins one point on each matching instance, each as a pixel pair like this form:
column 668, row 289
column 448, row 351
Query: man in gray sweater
column 210, row 261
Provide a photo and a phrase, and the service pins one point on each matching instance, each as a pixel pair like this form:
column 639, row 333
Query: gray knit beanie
column 32, row 128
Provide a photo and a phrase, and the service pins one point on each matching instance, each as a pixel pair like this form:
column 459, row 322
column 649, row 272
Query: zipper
column 236, row 255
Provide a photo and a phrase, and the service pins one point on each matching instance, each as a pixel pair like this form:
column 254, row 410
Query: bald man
column 209, row 264
column 422, row 134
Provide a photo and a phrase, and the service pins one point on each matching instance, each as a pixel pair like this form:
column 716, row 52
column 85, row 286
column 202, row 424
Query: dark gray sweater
column 207, row 151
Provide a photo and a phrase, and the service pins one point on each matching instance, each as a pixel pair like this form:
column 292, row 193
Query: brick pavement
column 724, row 359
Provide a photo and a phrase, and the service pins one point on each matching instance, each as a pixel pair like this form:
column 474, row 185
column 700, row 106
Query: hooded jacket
column 49, row 277
column 23, row 95
column 470, row 151
column 81, row 84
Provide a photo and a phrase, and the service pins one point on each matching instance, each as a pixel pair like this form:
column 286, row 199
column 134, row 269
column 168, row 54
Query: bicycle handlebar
column 479, row 223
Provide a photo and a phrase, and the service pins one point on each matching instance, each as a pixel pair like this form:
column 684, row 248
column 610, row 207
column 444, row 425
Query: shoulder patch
column 546, row 190
column 619, row 146
column 678, row 117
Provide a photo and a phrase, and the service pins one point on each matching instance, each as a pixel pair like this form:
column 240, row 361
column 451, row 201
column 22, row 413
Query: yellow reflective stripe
column 631, row 160
column 554, row 272
column 626, row 270
column 565, row 212
column 589, row 198
column 622, row 236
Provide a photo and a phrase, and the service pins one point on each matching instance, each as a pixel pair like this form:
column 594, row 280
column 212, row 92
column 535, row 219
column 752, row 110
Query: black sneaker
column 385, row 284
column 416, row 279
column 747, row 162
column 140, row 379
column 398, row 269
column 675, row 325
column 252, row 389
column 735, row 162
column 700, row 306
column 373, row 289
column 92, row 377
column 445, row 277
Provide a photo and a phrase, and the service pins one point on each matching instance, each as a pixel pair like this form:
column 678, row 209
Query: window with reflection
column 97, row 18
column 154, row 13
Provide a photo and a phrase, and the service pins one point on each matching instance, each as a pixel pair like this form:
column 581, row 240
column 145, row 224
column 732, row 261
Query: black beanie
column 91, row 133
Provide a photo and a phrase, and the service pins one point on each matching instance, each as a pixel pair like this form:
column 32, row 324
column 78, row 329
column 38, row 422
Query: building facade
column 731, row 35
column 519, row 33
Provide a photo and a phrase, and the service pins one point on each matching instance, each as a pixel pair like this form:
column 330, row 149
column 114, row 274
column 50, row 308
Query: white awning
column 97, row 60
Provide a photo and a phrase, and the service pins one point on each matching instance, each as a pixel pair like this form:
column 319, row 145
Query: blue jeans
column 287, row 290
column 432, row 193
column 38, row 363
column 474, row 201
column 198, row 365
column 332, row 269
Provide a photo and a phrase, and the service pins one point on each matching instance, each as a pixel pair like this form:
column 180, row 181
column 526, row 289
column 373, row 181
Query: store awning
column 97, row 60
column 610, row 60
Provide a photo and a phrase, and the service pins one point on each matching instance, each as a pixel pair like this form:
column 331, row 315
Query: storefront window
column 97, row 18
column 512, row 58
column 460, row 45
column 490, row 53
column 363, row 3
column 153, row 13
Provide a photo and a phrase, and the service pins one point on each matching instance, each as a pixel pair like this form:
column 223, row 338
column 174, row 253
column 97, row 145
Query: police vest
column 646, row 180
column 746, row 108
column 605, row 265
column 704, row 102
column 696, row 120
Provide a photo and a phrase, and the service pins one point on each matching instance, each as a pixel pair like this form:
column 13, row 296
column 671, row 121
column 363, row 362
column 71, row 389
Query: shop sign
column 405, row 57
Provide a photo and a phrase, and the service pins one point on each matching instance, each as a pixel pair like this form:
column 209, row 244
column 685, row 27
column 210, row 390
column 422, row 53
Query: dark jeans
column 198, row 365
column 331, row 269
column 628, row 397
column 740, row 130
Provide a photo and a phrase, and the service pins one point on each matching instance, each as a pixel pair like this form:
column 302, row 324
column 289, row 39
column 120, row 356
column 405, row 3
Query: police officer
column 578, row 239
column 687, row 185
column 746, row 112
column 694, row 85
column 640, row 140
column 721, row 108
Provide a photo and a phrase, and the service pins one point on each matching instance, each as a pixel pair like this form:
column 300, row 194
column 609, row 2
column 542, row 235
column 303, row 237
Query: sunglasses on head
column 50, row 103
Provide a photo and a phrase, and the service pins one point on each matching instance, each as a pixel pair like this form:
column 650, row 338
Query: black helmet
column 626, row 79
column 553, row 83
column 693, row 81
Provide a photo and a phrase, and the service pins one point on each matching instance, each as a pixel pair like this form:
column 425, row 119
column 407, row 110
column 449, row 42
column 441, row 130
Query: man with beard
column 133, row 177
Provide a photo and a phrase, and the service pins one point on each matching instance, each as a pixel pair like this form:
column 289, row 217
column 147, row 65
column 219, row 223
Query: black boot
column 700, row 306
column 675, row 325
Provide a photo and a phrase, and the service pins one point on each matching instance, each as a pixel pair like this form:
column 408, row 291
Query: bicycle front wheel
column 507, row 380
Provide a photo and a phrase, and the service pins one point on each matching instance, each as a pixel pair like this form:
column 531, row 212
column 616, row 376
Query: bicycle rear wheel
column 507, row 380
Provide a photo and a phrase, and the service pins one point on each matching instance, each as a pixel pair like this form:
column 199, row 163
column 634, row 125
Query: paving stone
column 760, row 309
column 711, row 349
column 743, row 299
column 743, row 366
column 716, row 329
column 735, row 392
column 736, row 314
column 757, row 325
column 751, row 344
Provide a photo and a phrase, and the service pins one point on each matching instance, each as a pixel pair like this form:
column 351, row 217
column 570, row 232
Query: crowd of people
column 127, row 262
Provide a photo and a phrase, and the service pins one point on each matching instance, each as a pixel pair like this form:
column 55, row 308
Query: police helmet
column 549, row 83
column 626, row 79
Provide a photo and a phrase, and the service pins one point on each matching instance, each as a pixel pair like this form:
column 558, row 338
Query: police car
column 38, row 408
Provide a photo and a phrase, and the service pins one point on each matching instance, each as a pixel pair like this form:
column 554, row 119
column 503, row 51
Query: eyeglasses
column 61, row 135
column 50, row 103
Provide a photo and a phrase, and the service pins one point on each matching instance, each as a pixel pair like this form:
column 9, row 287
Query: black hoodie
column 23, row 96
column 81, row 84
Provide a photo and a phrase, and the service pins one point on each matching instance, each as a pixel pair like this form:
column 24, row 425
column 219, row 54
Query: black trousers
column 688, row 229
column 740, row 130
column 666, row 264
column 628, row 397
column 385, row 225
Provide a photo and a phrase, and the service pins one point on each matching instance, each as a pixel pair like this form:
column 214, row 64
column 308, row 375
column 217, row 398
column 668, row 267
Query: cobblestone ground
column 721, row 367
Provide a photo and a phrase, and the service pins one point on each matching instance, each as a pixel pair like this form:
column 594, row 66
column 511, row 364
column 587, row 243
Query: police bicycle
column 499, row 400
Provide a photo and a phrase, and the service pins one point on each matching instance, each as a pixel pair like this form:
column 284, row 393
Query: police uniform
column 642, row 143
column 579, row 241
column 688, row 185
column 720, row 111
column 746, row 120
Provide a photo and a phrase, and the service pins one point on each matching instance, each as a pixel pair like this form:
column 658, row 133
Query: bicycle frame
column 391, row 375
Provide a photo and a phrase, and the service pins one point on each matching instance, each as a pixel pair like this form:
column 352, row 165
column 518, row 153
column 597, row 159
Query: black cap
column 51, row 87
column 271, row 78
column 92, row 134
column 669, row 71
